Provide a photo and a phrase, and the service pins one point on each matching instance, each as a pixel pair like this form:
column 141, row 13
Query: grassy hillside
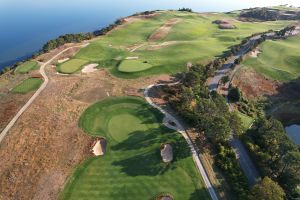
column 279, row 60
column 193, row 39
column 132, row 167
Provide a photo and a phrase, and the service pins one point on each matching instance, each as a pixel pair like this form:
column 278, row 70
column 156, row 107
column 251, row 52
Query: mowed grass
column 71, row 66
column 27, row 66
column 132, row 166
column 246, row 120
column 134, row 66
column 196, row 38
column 279, row 60
column 28, row 85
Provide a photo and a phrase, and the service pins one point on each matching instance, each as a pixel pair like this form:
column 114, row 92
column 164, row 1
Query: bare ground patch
column 163, row 31
column 254, row 85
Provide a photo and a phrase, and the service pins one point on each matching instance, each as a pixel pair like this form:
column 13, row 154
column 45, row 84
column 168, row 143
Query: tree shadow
column 147, row 164
column 198, row 194
column 285, row 104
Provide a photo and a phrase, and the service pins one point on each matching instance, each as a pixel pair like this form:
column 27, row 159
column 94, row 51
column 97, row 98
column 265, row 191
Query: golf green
column 134, row 66
column 27, row 66
column 132, row 167
column 28, row 85
column 71, row 66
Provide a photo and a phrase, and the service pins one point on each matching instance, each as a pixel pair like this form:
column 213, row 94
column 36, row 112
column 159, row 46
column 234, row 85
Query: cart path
column 36, row 94
column 179, row 128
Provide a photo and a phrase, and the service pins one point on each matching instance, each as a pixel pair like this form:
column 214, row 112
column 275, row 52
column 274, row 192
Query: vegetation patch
column 27, row 66
column 71, row 66
column 134, row 66
column 132, row 167
column 246, row 120
column 28, row 85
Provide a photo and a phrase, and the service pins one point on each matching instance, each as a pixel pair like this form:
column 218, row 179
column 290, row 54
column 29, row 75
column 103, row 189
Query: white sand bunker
column 89, row 68
column 99, row 147
column 255, row 53
column 63, row 60
column 132, row 58
column 166, row 153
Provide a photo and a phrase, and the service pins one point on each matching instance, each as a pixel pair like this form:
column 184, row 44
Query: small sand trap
column 132, row 58
column 89, row 68
column 63, row 60
column 166, row 153
column 99, row 147
column 255, row 53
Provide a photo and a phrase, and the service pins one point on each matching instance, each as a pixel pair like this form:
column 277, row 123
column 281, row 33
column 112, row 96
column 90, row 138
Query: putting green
column 132, row 166
column 71, row 66
column 133, row 66
column 27, row 66
column 28, row 85
column 279, row 60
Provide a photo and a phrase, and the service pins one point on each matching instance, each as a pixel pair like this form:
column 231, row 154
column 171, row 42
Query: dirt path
column 36, row 94
column 178, row 127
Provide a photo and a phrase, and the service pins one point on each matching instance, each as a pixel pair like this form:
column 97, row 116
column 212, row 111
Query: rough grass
column 28, row 85
column 71, row 66
column 132, row 167
column 27, row 66
column 279, row 60
column 246, row 120
column 200, row 41
column 133, row 66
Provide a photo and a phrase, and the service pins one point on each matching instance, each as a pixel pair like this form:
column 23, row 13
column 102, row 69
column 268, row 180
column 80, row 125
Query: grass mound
column 71, row 66
column 279, row 60
column 132, row 167
column 134, row 66
column 28, row 85
column 27, row 66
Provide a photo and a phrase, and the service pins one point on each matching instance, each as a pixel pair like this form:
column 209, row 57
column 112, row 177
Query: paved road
column 245, row 161
column 36, row 94
column 178, row 127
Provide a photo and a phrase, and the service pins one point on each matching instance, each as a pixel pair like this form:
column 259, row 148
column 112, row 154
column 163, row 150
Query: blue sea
column 25, row 25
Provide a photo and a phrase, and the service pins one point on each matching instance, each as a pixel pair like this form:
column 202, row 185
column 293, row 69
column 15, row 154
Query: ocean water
column 25, row 25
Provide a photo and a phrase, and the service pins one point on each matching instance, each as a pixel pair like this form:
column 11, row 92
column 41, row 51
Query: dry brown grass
column 163, row 31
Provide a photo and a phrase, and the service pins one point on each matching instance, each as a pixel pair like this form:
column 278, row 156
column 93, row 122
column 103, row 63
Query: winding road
column 36, row 94
column 179, row 128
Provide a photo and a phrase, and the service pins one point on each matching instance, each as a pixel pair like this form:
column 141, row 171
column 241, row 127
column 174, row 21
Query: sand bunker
column 99, row 147
column 63, row 60
column 166, row 153
column 163, row 31
column 89, row 68
column 132, row 58
column 255, row 53
column 224, row 24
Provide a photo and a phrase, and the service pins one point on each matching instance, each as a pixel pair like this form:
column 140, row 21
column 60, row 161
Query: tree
column 234, row 94
column 224, row 79
column 267, row 189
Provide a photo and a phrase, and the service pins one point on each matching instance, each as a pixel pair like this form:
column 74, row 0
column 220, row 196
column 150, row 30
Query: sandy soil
column 89, row 68
column 255, row 53
column 163, row 31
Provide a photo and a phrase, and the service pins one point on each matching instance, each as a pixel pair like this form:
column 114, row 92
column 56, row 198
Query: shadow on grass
column 150, row 163
column 199, row 194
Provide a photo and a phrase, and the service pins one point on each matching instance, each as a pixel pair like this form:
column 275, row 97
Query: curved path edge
column 179, row 128
column 36, row 94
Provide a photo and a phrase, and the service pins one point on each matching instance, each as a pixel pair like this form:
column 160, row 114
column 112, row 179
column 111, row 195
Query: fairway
column 279, row 60
column 133, row 66
column 132, row 167
column 27, row 66
column 71, row 66
column 193, row 39
column 28, row 85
